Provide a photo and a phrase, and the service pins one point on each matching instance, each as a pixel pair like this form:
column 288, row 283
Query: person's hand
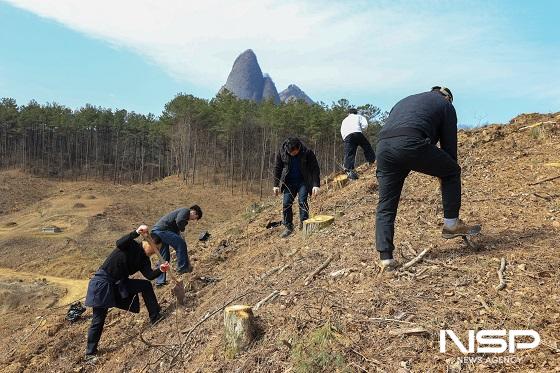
column 315, row 191
column 276, row 191
column 142, row 230
column 164, row 267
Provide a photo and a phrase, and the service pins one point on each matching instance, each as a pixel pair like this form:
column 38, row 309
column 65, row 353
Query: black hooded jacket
column 308, row 165
column 428, row 113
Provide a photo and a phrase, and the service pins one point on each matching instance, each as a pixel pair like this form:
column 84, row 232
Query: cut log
column 239, row 328
column 340, row 181
column 316, row 223
column 552, row 164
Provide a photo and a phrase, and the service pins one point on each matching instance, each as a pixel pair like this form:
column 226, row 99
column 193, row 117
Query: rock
column 338, row 273
column 246, row 79
column 269, row 90
column 247, row 82
column 294, row 93
column 454, row 365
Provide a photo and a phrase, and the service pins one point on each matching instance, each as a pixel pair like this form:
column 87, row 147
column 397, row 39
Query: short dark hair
column 155, row 238
column 444, row 91
column 293, row 143
column 352, row 111
column 197, row 209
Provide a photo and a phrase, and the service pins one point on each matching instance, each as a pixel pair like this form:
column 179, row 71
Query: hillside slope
column 357, row 319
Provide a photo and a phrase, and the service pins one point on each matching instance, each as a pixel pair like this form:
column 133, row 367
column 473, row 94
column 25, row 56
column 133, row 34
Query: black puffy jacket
column 308, row 165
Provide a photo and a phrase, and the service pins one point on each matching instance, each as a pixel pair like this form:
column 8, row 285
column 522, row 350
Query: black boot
column 352, row 174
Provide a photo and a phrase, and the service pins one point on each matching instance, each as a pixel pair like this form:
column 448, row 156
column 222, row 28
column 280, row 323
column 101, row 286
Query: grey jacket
column 175, row 221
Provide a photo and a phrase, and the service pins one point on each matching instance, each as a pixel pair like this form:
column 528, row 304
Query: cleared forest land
column 349, row 316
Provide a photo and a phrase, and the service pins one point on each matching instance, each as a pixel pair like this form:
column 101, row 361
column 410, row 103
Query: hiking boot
column 157, row 318
column 460, row 229
column 352, row 175
column 286, row 232
column 388, row 265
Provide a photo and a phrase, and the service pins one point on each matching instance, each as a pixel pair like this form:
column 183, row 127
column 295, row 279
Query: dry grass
column 356, row 320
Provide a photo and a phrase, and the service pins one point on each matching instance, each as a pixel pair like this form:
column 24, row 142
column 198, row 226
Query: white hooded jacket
column 353, row 123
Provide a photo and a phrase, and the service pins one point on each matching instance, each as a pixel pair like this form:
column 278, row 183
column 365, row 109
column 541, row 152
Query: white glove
column 142, row 230
column 315, row 191
column 276, row 191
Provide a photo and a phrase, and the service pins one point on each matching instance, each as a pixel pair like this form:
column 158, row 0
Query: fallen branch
column 543, row 197
column 391, row 320
column 417, row 259
column 483, row 302
column 501, row 271
column 416, row 330
column 269, row 297
column 436, row 262
column 269, row 273
column 369, row 360
column 538, row 124
column 545, row 180
column 319, row 269
column 360, row 368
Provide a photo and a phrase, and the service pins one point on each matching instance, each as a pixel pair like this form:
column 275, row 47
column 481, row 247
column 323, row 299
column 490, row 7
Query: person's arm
column 448, row 139
column 278, row 166
column 124, row 242
column 182, row 219
column 363, row 123
column 148, row 272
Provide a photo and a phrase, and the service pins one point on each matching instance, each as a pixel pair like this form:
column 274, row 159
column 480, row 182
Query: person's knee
column 453, row 173
column 140, row 285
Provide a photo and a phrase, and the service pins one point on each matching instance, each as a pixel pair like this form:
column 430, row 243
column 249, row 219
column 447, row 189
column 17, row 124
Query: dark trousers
column 351, row 143
column 100, row 313
column 396, row 157
column 290, row 193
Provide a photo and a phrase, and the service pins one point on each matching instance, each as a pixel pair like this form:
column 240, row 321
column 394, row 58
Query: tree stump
column 316, row 223
column 340, row 181
column 239, row 328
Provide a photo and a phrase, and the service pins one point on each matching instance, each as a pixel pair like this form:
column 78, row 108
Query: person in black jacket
column 296, row 172
column 111, row 287
column 169, row 229
column 407, row 142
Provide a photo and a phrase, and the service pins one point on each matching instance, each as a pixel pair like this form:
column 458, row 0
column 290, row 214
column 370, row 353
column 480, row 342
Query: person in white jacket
column 351, row 131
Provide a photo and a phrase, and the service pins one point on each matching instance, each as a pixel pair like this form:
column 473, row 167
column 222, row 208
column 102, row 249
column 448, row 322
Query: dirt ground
column 350, row 317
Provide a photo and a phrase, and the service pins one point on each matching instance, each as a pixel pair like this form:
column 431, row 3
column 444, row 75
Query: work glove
column 315, row 191
column 276, row 191
column 142, row 230
column 164, row 267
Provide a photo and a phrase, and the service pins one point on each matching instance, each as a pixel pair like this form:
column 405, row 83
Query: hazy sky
column 500, row 58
